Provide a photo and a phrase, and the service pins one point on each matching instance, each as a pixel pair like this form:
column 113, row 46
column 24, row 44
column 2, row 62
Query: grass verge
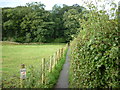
column 53, row 76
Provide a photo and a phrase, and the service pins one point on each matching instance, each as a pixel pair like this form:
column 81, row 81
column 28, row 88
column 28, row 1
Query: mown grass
column 15, row 55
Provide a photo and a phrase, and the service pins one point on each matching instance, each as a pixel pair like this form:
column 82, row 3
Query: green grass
column 15, row 55
column 34, row 78
column 53, row 77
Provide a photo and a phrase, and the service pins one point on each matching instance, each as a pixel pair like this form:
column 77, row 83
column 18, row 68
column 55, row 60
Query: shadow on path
column 63, row 78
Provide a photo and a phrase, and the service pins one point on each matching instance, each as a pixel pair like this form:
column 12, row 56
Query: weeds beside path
column 63, row 78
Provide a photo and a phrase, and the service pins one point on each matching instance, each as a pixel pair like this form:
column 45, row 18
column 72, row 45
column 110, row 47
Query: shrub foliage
column 94, row 56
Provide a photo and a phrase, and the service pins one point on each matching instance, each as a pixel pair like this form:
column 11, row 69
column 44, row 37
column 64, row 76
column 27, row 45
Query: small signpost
column 22, row 74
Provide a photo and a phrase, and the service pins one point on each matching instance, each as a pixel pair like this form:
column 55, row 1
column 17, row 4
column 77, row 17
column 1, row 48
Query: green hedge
column 95, row 52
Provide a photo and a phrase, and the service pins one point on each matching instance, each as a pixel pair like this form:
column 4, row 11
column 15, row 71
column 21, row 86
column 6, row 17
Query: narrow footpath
column 63, row 78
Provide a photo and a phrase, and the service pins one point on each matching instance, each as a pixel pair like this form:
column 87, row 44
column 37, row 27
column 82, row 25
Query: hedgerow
column 95, row 52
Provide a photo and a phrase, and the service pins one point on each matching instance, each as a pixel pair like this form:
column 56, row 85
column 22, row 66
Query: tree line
column 32, row 23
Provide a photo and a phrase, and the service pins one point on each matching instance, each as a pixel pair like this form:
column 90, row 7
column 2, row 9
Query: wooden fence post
column 59, row 54
column 43, row 70
column 50, row 68
column 56, row 59
column 62, row 51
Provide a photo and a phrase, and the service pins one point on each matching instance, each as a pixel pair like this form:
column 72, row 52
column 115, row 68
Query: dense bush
column 59, row 40
column 94, row 56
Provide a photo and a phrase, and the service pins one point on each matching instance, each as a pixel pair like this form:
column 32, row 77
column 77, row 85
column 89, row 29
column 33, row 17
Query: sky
column 48, row 3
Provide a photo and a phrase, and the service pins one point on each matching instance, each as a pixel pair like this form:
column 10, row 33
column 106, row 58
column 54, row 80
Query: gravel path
column 63, row 78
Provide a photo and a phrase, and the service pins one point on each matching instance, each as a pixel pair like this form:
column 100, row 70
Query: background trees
column 71, row 23
column 32, row 23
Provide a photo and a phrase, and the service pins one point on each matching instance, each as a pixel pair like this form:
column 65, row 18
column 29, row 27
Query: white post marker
column 23, row 72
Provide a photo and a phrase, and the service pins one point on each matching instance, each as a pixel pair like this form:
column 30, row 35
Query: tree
column 72, row 21
column 37, row 24
column 32, row 23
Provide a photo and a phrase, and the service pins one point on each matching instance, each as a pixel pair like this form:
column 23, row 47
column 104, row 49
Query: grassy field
column 15, row 55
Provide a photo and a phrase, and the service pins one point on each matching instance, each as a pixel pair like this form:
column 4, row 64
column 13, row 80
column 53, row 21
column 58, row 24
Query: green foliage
column 71, row 22
column 32, row 23
column 59, row 40
column 29, row 23
column 53, row 77
column 95, row 52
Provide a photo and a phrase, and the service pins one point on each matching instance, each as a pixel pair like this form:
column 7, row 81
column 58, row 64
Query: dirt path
column 63, row 78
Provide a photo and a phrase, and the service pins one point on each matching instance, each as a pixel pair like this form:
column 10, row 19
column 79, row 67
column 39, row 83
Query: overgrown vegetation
column 95, row 52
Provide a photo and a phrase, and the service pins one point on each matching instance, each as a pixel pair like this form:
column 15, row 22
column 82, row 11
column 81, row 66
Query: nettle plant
column 94, row 56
